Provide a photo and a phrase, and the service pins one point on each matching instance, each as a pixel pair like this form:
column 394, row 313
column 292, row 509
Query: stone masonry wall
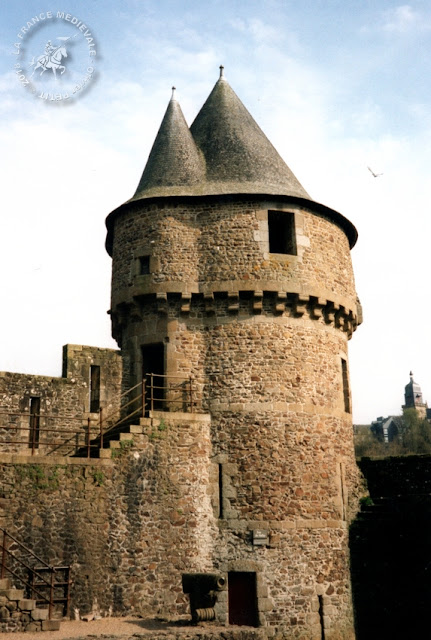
column 129, row 525
column 64, row 402
column 195, row 248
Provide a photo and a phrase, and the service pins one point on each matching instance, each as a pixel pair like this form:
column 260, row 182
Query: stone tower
column 224, row 269
column 413, row 398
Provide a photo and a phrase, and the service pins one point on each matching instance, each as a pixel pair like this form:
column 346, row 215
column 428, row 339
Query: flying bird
column 375, row 175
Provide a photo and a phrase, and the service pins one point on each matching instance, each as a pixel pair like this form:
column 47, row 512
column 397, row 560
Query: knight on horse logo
column 51, row 58
column 71, row 57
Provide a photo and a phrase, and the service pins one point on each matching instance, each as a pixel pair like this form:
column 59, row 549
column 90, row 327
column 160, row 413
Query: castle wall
column 64, row 402
column 130, row 526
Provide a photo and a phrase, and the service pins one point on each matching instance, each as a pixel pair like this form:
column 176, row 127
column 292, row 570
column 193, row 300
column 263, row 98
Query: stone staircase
column 21, row 614
column 120, row 438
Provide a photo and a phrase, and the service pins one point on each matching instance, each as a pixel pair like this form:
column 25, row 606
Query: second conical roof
column 239, row 157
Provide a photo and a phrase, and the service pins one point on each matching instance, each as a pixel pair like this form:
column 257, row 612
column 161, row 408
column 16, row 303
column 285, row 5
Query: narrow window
column 220, row 491
column 342, row 491
column 33, row 442
column 281, row 232
column 346, row 389
column 94, row 389
column 144, row 265
column 322, row 627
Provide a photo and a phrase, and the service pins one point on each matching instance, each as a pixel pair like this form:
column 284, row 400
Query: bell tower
column 226, row 272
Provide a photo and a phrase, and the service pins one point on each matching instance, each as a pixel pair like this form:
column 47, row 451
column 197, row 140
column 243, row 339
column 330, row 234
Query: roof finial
column 221, row 71
column 173, row 93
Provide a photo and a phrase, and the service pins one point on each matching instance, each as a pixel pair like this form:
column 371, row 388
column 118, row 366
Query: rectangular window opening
column 34, row 434
column 94, row 389
column 281, row 232
column 346, row 388
column 144, row 265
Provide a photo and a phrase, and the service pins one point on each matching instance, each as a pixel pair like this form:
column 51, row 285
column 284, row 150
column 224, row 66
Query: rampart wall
column 64, row 409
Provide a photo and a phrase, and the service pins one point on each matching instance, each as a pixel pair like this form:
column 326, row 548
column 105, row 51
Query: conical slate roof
column 175, row 164
column 224, row 152
column 239, row 157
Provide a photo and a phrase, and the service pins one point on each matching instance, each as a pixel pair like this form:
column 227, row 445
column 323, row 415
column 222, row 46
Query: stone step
column 50, row 625
column 26, row 604
column 39, row 614
column 125, row 437
column 5, row 583
column 136, row 428
column 12, row 594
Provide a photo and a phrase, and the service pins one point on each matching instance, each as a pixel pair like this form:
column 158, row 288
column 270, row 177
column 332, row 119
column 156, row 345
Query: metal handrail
column 94, row 432
column 45, row 567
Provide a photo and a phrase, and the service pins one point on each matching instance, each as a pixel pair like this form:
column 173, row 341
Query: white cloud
column 402, row 19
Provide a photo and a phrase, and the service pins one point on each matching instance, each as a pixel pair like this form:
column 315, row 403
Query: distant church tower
column 413, row 398
column 224, row 269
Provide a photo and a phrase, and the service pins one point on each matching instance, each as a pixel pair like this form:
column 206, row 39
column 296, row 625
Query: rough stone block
column 50, row 625
column 39, row 614
column 27, row 605
column 4, row 584
column 135, row 428
column 13, row 594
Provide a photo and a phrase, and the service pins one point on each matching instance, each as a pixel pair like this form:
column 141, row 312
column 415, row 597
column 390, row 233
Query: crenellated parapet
column 218, row 304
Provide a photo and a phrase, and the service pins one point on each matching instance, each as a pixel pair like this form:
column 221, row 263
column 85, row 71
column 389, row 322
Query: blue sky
column 336, row 86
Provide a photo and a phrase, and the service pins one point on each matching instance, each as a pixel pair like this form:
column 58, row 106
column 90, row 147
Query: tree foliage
column 414, row 438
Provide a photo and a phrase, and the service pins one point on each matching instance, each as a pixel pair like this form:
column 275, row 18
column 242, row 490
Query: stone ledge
column 178, row 416
column 15, row 458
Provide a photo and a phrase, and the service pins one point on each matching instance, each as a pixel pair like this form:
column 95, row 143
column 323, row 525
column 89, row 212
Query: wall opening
column 220, row 491
column 342, row 491
column 34, row 433
column 242, row 597
column 322, row 628
column 144, row 265
column 281, row 232
column 346, row 388
column 153, row 370
column 94, row 389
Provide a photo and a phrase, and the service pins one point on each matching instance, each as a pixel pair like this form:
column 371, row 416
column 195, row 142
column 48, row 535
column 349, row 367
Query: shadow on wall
column 390, row 543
